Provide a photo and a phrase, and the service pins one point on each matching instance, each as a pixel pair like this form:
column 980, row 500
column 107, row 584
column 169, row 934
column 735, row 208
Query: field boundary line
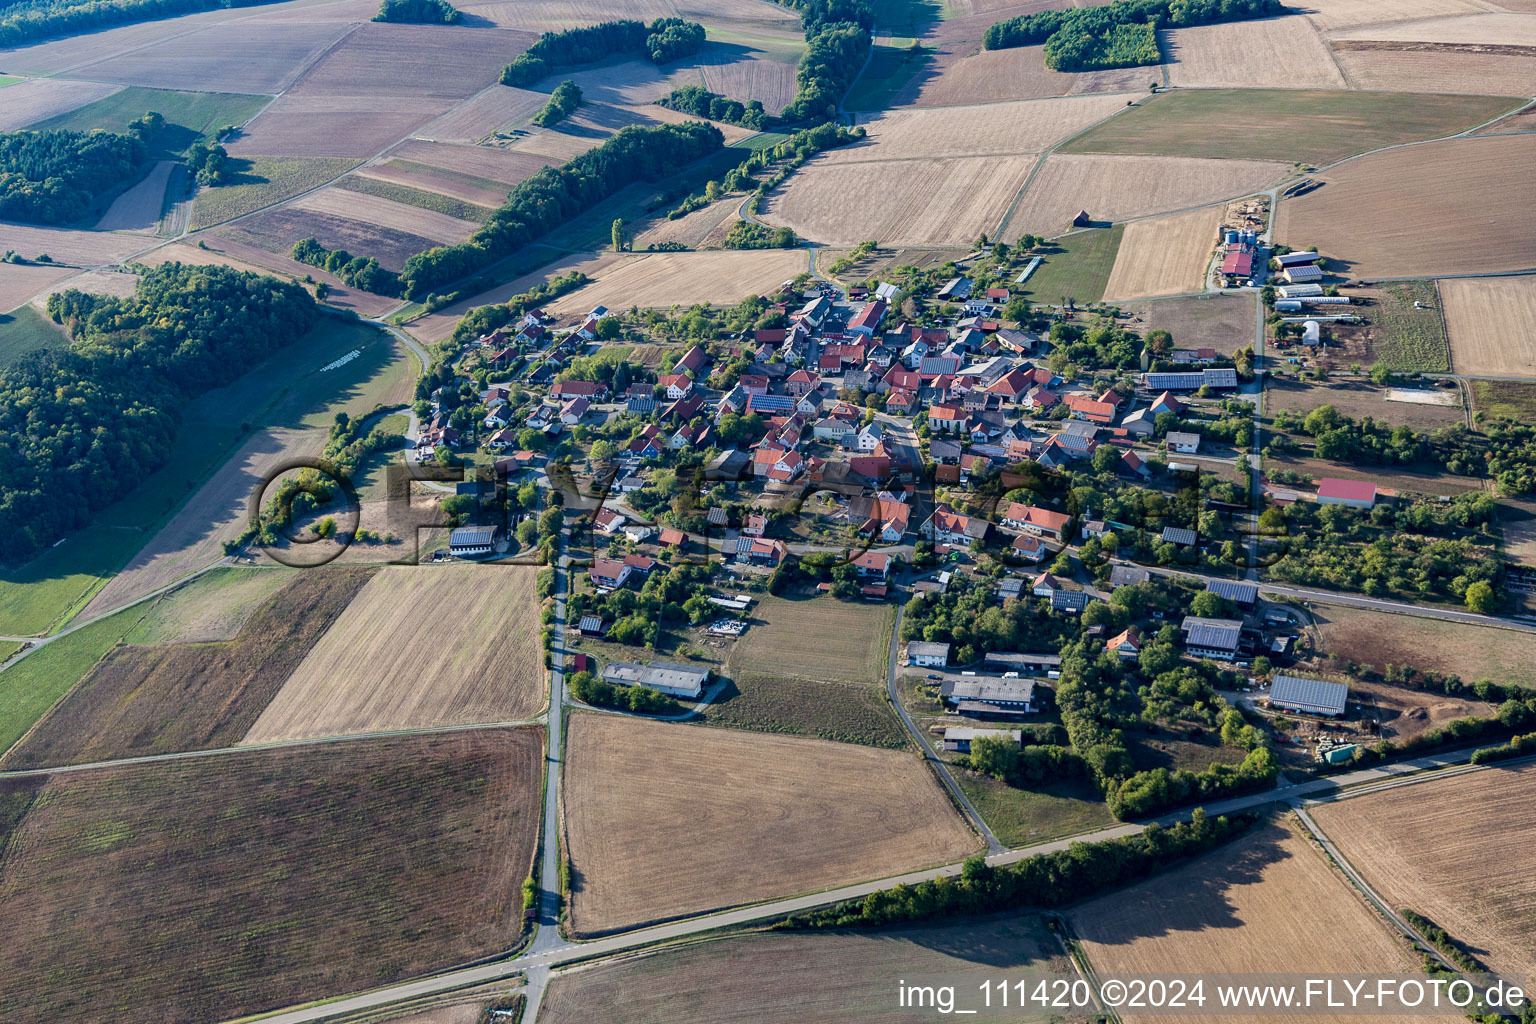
column 188, row 755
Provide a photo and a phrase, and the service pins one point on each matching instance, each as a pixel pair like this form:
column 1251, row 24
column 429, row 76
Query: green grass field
column 888, row 70
column 6, row 80
column 1023, row 816
column 1291, row 125
column 187, row 114
column 24, row 330
column 416, row 197
column 40, row 596
column 1405, row 338
column 35, row 683
column 262, row 182
column 1505, row 399
column 1079, row 271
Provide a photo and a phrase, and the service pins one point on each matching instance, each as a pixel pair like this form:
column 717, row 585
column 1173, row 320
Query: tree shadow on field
column 240, row 171
column 1200, row 900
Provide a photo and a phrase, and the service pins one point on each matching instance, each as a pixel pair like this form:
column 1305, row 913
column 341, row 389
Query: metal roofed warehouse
column 1314, row 696
column 664, row 676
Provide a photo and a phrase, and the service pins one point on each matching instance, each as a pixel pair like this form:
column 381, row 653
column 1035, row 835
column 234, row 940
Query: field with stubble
column 1114, row 188
column 1258, row 905
column 1440, row 208
column 662, row 279
column 419, row 646
column 1000, row 129
column 1489, row 320
column 1454, row 850
column 224, row 886
column 1164, row 255
column 1280, row 53
column 790, row 978
column 1438, row 67
column 141, row 700
column 665, row 821
column 921, row 202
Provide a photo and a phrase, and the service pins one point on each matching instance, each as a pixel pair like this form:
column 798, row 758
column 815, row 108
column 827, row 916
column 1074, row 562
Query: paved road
column 939, row 766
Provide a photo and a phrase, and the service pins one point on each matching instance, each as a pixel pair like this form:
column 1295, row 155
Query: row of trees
column 589, row 689
column 53, row 177
column 663, row 40
column 82, row 426
column 30, row 20
column 1115, row 35
column 1046, row 880
column 556, row 194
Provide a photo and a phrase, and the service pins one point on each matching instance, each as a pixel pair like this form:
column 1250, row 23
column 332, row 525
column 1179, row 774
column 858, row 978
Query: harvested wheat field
column 139, row 208
column 498, row 107
column 637, row 82
column 1489, row 320
column 837, row 976
column 554, row 15
column 755, row 816
column 19, row 283
column 1438, row 67
column 1472, row 652
column 1455, row 850
column 1164, row 255
column 432, row 179
column 385, row 213
column 659, row 280
column 1255, row 906
column 1339, row 15
column 771, row 82
column 385, row 665
column 697, row 230
column 79, row 248
column 245, row 57
column 38, row 99
column 495, row 165
column 922, row 202
column 142, row 700
column 225, row 886
column 999, row 129
column 1441, row 208
column 1485, row 28
column 118, row 283
column 357, row 127
column 960, row 73
column 1276, row 53
column 1113, row 188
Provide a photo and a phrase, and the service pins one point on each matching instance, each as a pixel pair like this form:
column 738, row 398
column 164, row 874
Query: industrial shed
column 1310, row 696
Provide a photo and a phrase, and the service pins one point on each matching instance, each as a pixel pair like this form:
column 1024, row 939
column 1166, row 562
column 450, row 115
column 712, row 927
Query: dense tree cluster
column 1115, row 35
column 664, row 39
column 700, row 102
column 419, row 12
column 745, row 234
column 556, row 194
column 208, row 162
column 1045, row 880
column 53, row 177
column 28, row 20
column 83, row 426
column 358, row 271
column 834, row 53
column 677, row 595
column 562, row 103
